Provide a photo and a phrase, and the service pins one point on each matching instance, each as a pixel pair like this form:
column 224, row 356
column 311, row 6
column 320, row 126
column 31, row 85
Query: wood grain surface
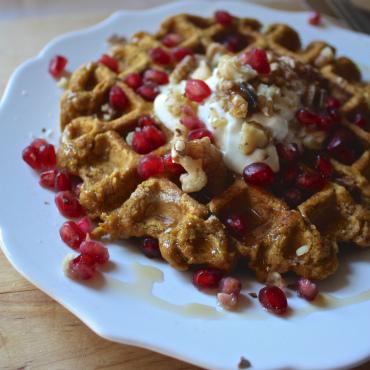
column 35, row 331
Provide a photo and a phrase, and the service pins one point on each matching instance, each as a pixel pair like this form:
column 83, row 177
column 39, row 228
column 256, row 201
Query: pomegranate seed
column 171, row 166
column 293, row 197
column 148, row 91
column 342, row 146
column 360, row 120
column 146, row 121
column 140, row 144
column 200, row 133
column 171, row 39
column 30, row 156
column 197, row 90
column 134, row 80
column 156, row 76
column 150, row 248
column 235, row 43
column 96, row 250
column 68, row 205
column 150, row 165
column 62, row 181
column 324, row 166
column 207, row 278
column 230, row 285
column 273, row 299
column 37, row 143
column 288, row 152
column 223, row 17
column 306, row 117
column 71, row 234
column 47, row 179
column 258, row 173
column 332, row 103
column 180, row 53
column 154, row 136
column 57, row 65
column 47, row 156
column 118, row 100
column 307, row 289
column 314, row 19
column 85, row 225
column 326, row 122
column 160, row 56
column 334, row 114
column 82, row 267
column 109, row 62
column 257, row 59
column 237, row 224
column 289, row 174
column 311, row 181
column 192, row 122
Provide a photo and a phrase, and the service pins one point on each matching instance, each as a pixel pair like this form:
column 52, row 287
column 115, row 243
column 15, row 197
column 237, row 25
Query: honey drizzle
column 146, row 276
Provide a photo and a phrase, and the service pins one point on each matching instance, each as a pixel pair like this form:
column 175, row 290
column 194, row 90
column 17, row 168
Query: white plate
column 161, row 321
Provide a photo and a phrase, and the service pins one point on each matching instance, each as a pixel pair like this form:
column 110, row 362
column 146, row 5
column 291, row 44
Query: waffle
column 190, row 226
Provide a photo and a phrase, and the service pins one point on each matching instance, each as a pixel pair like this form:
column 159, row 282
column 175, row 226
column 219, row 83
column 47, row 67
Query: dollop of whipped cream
column 228, row 128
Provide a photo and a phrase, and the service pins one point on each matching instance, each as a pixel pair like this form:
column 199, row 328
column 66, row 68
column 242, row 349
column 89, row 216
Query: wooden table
column 35, row 331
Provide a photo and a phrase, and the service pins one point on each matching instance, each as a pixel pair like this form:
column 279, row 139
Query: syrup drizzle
column 141, row 288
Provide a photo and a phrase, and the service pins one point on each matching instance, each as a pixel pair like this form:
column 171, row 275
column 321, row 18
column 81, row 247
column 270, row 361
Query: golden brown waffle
column 189, row 228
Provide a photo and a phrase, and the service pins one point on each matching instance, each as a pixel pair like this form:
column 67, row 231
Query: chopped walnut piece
column 183, row 69
column 252, row 136
column 214, row 52
column 231, row 68
column 239, row 106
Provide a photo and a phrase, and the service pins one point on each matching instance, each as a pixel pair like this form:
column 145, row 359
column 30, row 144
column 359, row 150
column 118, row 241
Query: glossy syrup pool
column 145, row 277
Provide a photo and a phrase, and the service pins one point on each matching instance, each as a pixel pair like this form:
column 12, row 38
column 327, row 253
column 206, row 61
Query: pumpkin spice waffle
column 154, row 161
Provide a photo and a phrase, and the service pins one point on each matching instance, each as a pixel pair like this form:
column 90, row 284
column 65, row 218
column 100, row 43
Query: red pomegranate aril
column 257, row 59
column 332, row 103
column 258, row 173
column 171, row 40
column 148, row 91
column 71, row 234
column 207, row 278
column 314, row 19
column 134, row 80
column 192, row 122
column 307, row 117
column 307, row 289
column 154, row 136
column 150, row 248
column 360, row 120
column 293, row 197
column 96, row 250
column 288, row 152
column 118, row 100
column 171, row 166
column 289, row 174
column 150, row 165
column 200, row 133
column 109, row 62
column 37, row 143
column 30, row 156
column 62, row 181
column 47, row 179
column 324, row 166
column 140, row 143
column 197, row 90
column 160, row 56
column 82, row 267
column 335, row 114
column 57, row 65
column 273, row 299
column 156, row 76
column 237, row 224
column 180, row 53
column 85, row 225
column 311, row 181
column 224, row 18
column 342, row 146
column 326, row 122
column 47, row 156
column 146, row 121
column 68, row 205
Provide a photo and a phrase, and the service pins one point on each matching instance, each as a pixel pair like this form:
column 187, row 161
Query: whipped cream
column 226, row 128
